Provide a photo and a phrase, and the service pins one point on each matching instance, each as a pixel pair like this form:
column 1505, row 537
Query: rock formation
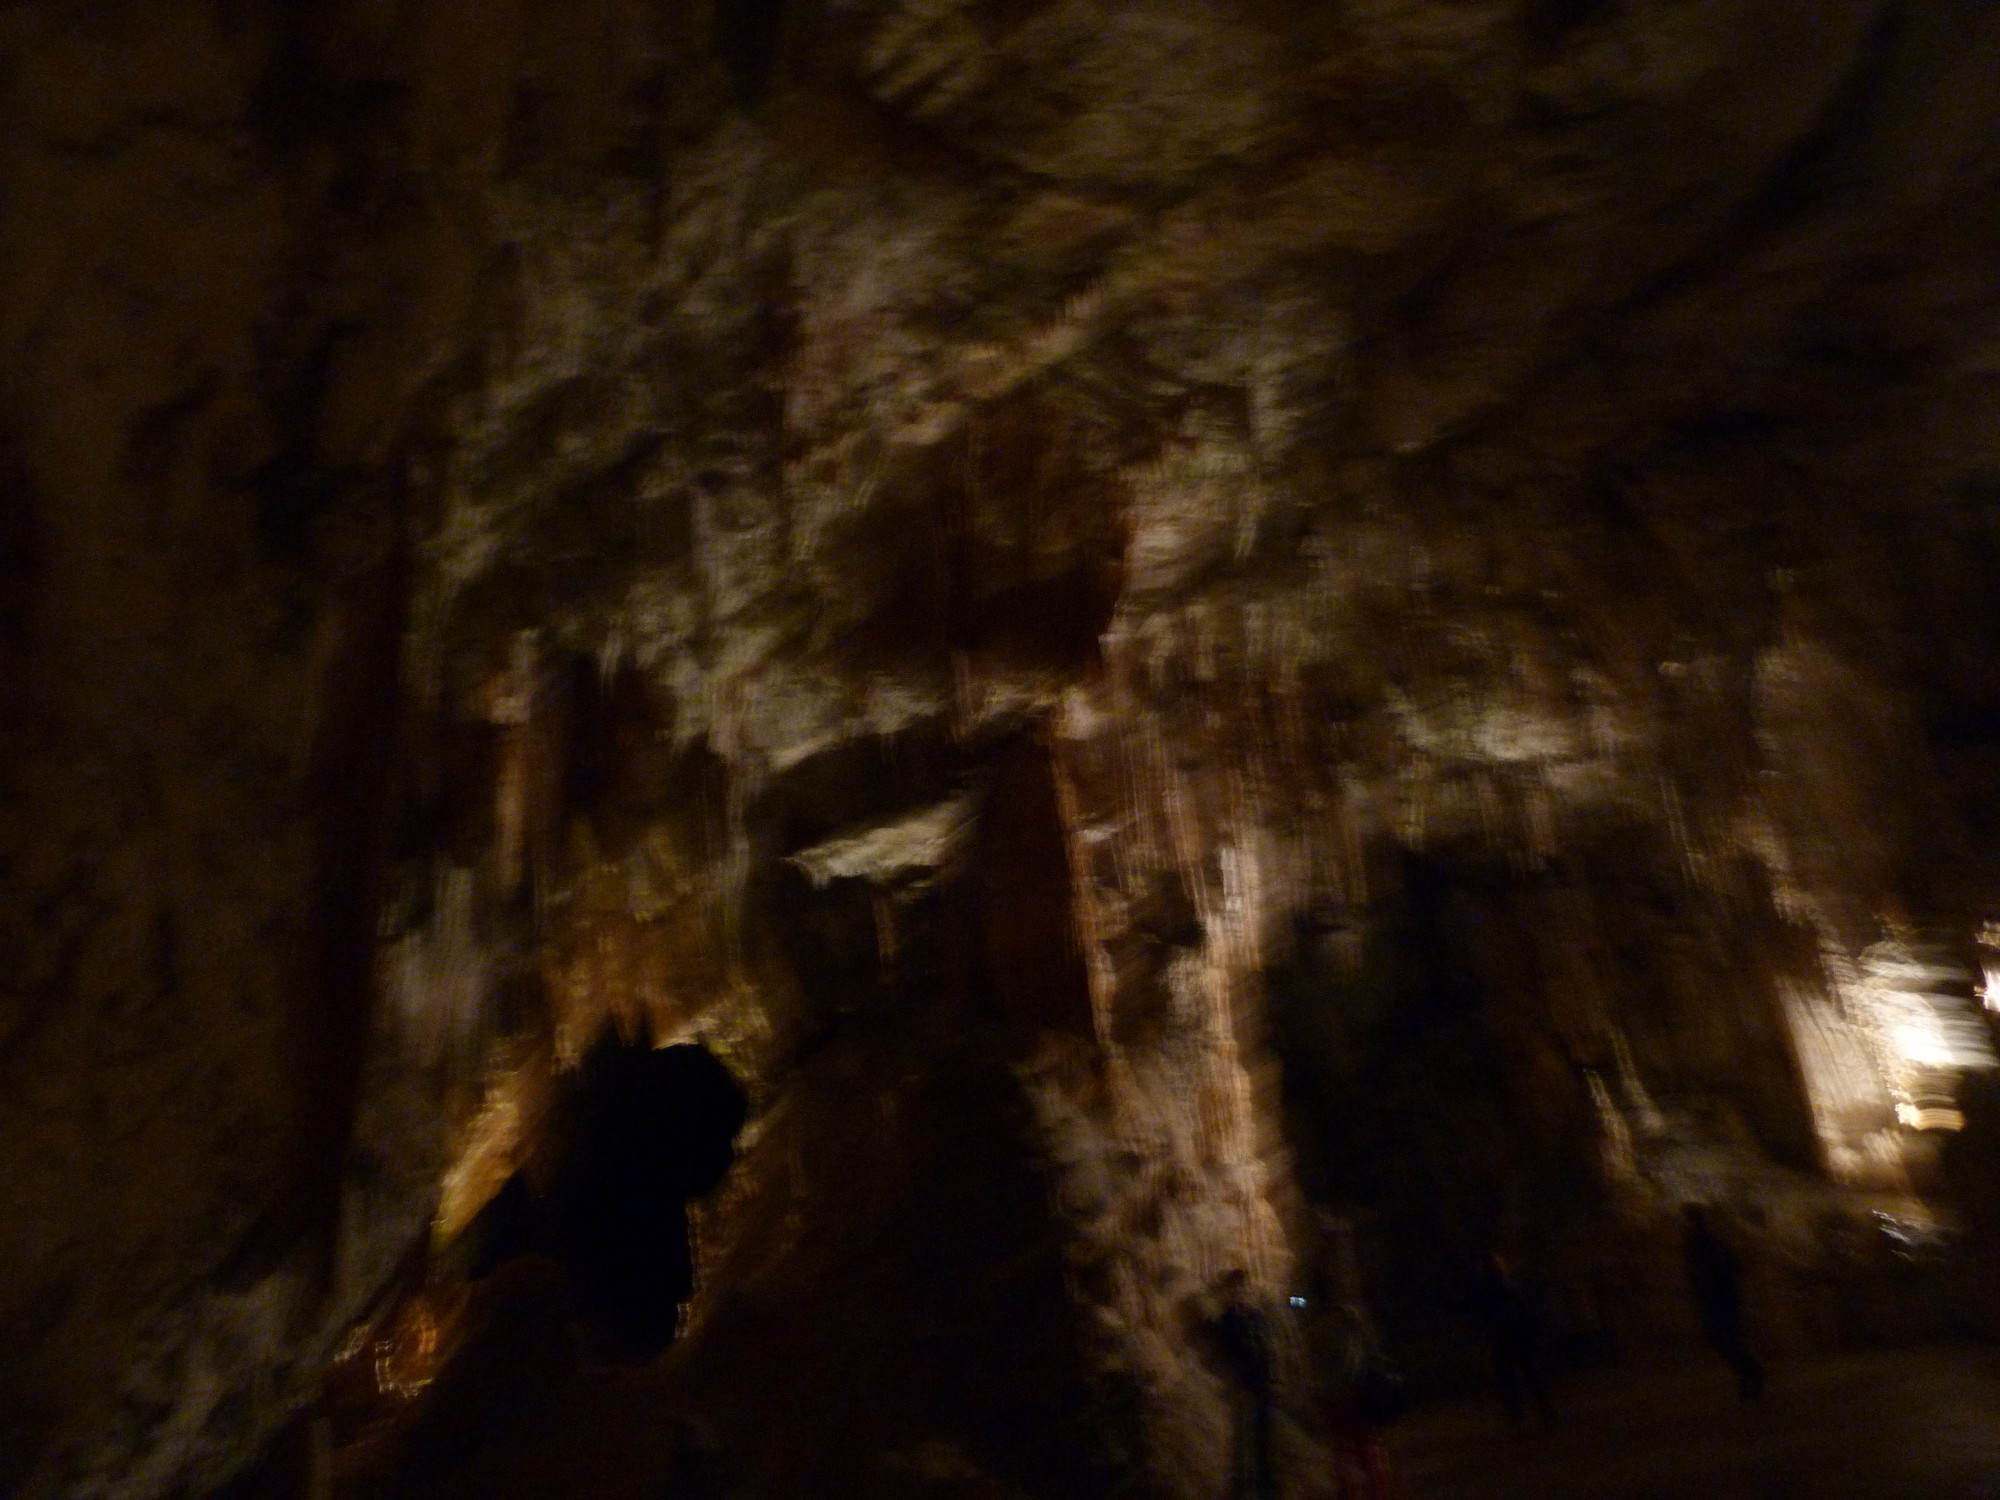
column 1166, row 623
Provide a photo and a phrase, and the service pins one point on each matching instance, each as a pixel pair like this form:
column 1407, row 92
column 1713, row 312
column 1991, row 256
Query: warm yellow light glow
column 1921, row 1039
column 1917, row 1004
column 1890, row 1038
column 1918, row 1117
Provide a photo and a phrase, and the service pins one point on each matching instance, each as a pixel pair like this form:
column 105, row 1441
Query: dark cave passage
column 641, row 1132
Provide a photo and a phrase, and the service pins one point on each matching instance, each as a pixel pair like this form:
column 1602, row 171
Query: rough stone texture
column 1455, row 535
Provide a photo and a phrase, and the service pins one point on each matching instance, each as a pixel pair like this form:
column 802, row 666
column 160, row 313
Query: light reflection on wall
column 1883, row 1048
column 1850, row 1102
column 1918, row 1002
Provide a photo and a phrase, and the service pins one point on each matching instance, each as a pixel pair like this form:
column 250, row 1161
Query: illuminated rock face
column 1182, row 609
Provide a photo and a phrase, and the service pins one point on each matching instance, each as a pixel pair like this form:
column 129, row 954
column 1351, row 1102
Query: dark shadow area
column 1034, row 971
column 652, row 1128
column 746, row 37
column 1432, row 1103
column 1916, row 1424
column 644, row 1130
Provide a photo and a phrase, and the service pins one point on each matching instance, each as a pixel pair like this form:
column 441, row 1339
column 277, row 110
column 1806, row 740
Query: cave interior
column 749, row 747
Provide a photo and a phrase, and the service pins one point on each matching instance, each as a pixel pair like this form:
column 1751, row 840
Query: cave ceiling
column 697, row 517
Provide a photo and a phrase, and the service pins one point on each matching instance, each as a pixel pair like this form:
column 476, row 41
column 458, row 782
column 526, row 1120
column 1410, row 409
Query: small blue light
column 1298, row 1302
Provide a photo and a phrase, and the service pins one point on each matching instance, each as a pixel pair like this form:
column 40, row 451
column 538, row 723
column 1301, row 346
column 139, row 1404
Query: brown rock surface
column 1148, row 616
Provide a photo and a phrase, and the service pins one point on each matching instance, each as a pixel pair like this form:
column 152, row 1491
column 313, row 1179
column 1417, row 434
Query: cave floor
column 1884, row 1425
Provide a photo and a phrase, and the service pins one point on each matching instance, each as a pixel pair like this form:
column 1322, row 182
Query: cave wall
column 520, row 519
column 245, row 242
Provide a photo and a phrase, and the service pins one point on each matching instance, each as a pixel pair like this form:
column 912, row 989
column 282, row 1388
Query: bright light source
column 1921, row 1039
column 1916, row 999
